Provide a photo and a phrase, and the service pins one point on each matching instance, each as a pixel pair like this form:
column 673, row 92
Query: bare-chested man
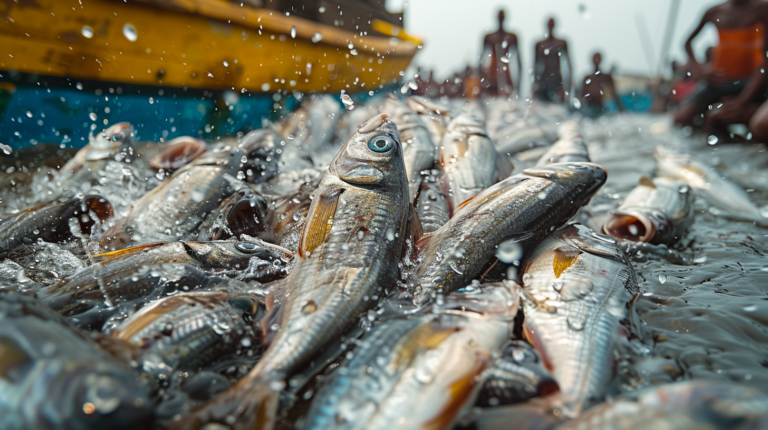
column 498, row 49
column 595, row 87
column 548, row 82
column 740, row 50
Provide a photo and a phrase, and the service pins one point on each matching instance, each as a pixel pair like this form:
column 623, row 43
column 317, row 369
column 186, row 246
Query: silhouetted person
column 741, row 48
column 498, row 49
column 548, row 82
column 453, row 87
column 595, row 86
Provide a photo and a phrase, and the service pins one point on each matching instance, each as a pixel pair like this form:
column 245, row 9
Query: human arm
column 689, row 42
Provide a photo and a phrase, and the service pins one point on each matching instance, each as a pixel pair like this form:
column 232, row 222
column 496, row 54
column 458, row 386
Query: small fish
column 51, row 221
column 350, row 248
column 657, row 211
column 52, row 376
column 469, row 160
column 432, row 206
column 576, row 288
column 436, row 116
column 177, row 153
column 524, row 209
column 189, row 331
column 422, row 372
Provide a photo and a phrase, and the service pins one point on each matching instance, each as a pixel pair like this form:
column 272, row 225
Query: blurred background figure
column 741, row 49
column 498, row 49
column 596, row 87
column 431, row 87
column 471, row 83
column 548, row 82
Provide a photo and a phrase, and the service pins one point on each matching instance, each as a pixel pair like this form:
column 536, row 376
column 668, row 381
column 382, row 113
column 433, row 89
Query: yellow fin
column 646, row 182
column 319, row 221
column 565, row 257
column 424, row 337
column 460, row 391
column 109, row 256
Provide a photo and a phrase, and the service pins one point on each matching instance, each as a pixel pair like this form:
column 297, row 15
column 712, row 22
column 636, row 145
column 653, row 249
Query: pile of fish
column 398, row 264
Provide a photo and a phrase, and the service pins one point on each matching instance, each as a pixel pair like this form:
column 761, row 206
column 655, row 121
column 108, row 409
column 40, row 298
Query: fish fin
column 413, row 230
column 460, row 392
column 463, row 204
column 319, row 221
column 424, row 337
column 565, row 257
column 534, row 340
column 646, row 182
column 109, row 256
column 422, row 243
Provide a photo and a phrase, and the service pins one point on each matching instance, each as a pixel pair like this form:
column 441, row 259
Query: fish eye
column 254, row 249
column 381, row 143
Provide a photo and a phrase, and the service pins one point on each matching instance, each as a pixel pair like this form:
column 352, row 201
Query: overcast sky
column 453, row 29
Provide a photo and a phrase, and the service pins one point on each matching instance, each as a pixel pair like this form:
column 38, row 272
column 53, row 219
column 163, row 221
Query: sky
column 453, row 30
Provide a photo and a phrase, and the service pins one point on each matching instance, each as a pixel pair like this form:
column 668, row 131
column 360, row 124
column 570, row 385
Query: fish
column 469, row 160
column 521, row 210
column 116, row 143
column 190, row 331
column 435, row 116
column 286, row 220
column 422, row 372
column 313, row 125
column 54, row 376
column 111, row 278
column 242, row 213
column 51, row 221
column 419, row 152
column 176, row 209
column 432, row 205
column 657, row 211
column 728, row 199
column 349, row 250
column 177, row 153
column 576, row 288
column 569, row 148
column 698, row 404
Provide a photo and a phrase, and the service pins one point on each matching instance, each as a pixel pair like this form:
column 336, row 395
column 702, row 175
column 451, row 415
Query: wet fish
column 523, row 209
column 729, row 198
column 189, row 331
column 116, row 143
column 242, row 213
column 313, row 125
column 657, row 211
column 51, row 221
column 470, row 161
column 177, row 153
column 687, row 405
column 576, row 287
column 422, row 372
column 287, row 219
column 54, row 377
column 569, row 148
column 176, row 208
column 419, row 151
column 349, row 250
column 115, row 277
column 435, row 116
column 432, row 205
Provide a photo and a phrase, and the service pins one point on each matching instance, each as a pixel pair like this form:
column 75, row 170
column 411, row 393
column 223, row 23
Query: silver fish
column 576, row 287
column 432, row 206
column 523, row 209
column 436, row 116
column 569, row 148
column 350, row 248
column 117, row 143
column 470, row 161
column 422, row 372
column 657, row 211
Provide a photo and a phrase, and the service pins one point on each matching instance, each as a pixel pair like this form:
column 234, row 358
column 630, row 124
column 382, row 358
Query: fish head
column 498, row 299
column 244, row 212
column 583, row 179
column 178, row 152
column 239, row 255
column 373, row 156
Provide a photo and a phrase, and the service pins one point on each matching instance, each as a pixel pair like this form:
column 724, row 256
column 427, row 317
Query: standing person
column 742, row 40
column 593, row 88
column 548, row 82
column 498, row 49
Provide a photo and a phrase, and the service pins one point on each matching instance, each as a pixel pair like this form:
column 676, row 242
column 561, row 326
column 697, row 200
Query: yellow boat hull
column 206, row 44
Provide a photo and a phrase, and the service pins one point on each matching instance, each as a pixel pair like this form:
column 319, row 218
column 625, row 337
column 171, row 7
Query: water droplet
column 712, row 139
column 504, row 59
column 750, row 308
column 413, row 85
column 246, row 342
column 317, row 37
column 321, row 9
column 293, row 31
column 309, row 308
column 6, row 149
column 92, row 116
column 347, row 101
column 129, row 32
column 241, row 175
column 509, row 252
column 87, row 32
column 663, row 278
column 390, row 234
column 79, row 86
column 633, row 230
column 546, row 51
column 360, row 235
column 151, row 100
column 29, row 114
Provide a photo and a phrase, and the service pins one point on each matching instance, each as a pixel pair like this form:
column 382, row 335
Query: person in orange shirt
column 741, row 48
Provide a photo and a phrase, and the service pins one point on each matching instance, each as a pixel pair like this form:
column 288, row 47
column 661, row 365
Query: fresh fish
column 577, row 285
column 313, row 125
column 522, row 209
column 470, row 161
column 242, row 213
column 54, row 377
column 286, row 220
column 432, row 206
column 435, row 116
column 728, row 198
column 349, row 251
column 111, row 279
column 569, row 148
column 419, row 152
column 422, row 372
column 687, row 405
column 189, row 331
column 657, row 211
column 177, row 153
column 51, row 221
column 516, row 376
column 117, row 143
column 176, row 209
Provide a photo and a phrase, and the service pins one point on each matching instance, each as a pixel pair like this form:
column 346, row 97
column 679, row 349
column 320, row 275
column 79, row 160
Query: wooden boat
column 209, row 44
